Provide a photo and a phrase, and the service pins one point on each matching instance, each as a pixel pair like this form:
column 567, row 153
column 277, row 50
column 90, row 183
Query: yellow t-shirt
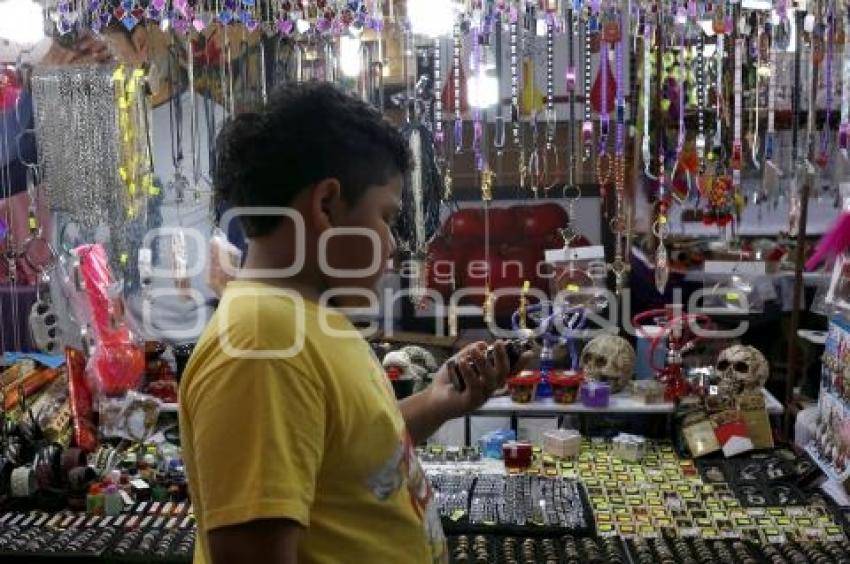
column 315, row 436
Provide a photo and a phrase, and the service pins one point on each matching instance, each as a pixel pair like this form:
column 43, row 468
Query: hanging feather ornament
column 835, row 241
column 420, row 207
column 449, row 91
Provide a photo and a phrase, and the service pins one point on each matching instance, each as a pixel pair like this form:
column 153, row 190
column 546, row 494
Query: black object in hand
column 513, row 347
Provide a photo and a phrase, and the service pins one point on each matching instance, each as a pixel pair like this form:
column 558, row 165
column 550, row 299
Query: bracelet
column 6, row 467
column 23, row 482
column 80, row 477
column 72, row 458
column 48, row 466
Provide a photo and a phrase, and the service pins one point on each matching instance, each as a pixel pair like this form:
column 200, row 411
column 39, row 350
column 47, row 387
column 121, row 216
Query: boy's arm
column 267, row 540
column 426, row 411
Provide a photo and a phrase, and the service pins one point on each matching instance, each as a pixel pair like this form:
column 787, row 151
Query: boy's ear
column 326, row 205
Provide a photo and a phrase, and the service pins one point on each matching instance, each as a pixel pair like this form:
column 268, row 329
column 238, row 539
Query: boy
column 295, row 447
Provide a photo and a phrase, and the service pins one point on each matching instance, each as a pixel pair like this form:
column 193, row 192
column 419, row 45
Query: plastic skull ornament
column 609, row 359
column 741, row 368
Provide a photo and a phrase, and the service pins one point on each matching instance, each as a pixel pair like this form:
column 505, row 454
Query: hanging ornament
column 532, row 97
column 604, row 80
column 822, row 158
column 717, row 193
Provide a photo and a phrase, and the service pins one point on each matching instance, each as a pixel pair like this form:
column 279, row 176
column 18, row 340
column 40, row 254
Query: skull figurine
column 741, row 368
column 610, row 359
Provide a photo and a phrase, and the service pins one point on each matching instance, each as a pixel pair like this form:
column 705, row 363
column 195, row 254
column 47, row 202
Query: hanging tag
column 809, row 23
column 179, row 260
column 145, row 266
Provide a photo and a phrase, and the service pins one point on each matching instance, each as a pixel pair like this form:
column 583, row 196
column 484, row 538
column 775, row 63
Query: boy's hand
column 482, row 376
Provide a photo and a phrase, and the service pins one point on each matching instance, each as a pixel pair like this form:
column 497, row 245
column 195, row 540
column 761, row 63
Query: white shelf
column 620, row 403
column 828, row 469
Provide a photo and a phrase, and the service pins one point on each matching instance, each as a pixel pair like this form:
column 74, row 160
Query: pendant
column 662, row 272
column 418, row 281
column 179, row 260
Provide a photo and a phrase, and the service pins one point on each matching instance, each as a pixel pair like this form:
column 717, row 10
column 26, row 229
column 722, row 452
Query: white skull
column 741, row 368
column 610, row 359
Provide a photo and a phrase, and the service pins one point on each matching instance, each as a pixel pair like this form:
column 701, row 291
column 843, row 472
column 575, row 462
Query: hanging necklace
column 844, row 128
column 682, row 21
column 661, row 227
column 475, row 69
column 700, row 78
column 647, row 88
column 587, row 125
column 823, row 157
column 571, row 92
column 550, row 156
column 775, row 31
column 761, row 45
column 603, row 164
column 499, row 131
column 456, row 79
column 737, row 149
column 717, row 145
column 618, row 224
column 517, row 30
column 438, row 96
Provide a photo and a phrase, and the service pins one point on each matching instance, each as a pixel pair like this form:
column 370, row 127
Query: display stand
column 620, row 404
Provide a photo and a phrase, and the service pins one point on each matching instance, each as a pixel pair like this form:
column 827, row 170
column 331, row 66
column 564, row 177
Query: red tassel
column 596, row 91
column 449, row 92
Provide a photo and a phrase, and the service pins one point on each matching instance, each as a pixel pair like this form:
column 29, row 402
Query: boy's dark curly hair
column 307, row 132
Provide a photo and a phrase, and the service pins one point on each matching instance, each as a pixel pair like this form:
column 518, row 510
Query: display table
column 622, row 403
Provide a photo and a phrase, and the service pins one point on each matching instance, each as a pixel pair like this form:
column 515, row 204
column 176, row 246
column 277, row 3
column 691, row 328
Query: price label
column 457, row 515
column 732, row 297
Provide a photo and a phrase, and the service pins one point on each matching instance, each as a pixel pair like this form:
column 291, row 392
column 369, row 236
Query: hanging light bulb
column 431, row 18
column 350, row 59
column 483, row 88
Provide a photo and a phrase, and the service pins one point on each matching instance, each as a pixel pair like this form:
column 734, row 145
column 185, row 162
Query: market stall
column 648, row 198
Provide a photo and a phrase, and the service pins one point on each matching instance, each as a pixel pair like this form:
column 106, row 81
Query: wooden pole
column 802, row 168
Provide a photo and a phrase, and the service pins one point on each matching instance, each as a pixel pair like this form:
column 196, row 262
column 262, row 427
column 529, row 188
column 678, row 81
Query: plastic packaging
column 112, row 502
column 490, row 444
column 95, row 500
column 118, row 361
column 85, row 436
column 595, row 394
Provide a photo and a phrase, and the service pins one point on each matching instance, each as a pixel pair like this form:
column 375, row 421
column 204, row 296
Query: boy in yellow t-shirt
column 295, row 447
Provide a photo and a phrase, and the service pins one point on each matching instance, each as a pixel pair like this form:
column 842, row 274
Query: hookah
column 556, row 324
column 676, row 328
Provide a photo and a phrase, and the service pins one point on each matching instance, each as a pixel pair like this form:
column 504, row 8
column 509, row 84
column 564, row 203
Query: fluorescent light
column 483, row 89
column 350, row 59
column 431, row 18
column 21, row 21
column 763, row 5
